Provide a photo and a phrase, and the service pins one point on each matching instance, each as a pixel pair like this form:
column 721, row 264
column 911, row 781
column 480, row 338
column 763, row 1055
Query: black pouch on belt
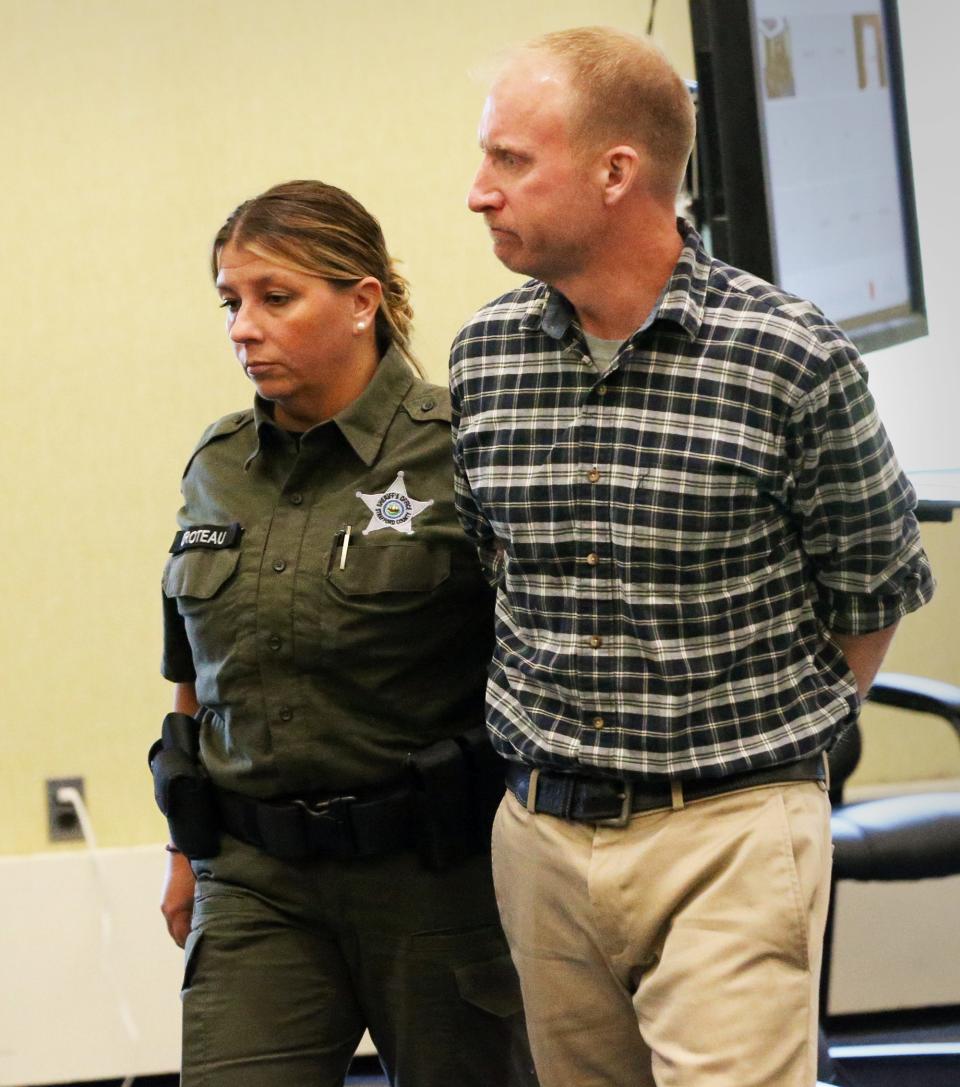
column 183, row 791
column 457, row 785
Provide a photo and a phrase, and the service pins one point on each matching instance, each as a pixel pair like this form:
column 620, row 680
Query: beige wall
column 129, row 129
column 899, row 745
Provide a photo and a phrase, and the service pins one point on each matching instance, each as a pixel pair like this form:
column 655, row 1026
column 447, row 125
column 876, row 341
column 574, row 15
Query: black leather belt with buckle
column 611, row 802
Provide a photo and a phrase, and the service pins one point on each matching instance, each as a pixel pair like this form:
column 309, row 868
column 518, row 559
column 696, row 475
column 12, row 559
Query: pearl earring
column 361, row 325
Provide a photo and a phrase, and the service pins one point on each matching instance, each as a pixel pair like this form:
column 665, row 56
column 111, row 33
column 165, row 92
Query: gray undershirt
column 601, row 351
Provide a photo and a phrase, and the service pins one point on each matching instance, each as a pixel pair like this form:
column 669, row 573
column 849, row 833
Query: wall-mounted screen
column 804, row 158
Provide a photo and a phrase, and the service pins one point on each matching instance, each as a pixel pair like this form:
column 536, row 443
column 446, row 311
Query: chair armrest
column 918, row 693
column 897, row 837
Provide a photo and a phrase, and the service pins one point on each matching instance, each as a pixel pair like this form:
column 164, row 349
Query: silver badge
column 394, row 508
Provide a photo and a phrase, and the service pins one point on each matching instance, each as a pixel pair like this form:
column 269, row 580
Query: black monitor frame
column 733, row 202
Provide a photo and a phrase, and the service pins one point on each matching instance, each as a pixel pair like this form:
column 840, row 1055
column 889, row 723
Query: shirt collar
column 681, row 301
column 363, row 422
column 684, row 297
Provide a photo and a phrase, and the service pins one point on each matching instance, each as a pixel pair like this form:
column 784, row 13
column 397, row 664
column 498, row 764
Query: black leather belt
column 343, row 827
column 612, row 802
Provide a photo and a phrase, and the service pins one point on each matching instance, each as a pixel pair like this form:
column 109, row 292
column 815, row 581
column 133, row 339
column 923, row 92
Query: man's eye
column 231, row 304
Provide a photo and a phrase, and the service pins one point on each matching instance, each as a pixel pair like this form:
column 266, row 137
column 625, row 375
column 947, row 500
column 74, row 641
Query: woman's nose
column 242, row 326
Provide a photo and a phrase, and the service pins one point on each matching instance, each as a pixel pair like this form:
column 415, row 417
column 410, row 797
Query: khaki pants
column 682, row 950
column 287, row 963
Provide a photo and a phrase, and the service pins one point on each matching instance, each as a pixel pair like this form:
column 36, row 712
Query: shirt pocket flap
column 390, row 568
column 198, row 574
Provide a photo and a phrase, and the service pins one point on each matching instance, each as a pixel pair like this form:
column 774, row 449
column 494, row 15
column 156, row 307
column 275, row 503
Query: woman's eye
column 277, row 299
column 231, row 304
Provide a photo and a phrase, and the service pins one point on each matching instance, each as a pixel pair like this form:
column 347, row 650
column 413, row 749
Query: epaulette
column 426, row 403
column 222, row 428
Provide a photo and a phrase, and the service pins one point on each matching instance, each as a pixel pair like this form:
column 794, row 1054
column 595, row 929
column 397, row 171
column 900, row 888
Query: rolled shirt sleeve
column 177, row 661
column 854, row 505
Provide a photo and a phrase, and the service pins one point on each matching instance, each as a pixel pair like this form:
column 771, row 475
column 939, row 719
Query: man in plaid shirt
column 703, row 544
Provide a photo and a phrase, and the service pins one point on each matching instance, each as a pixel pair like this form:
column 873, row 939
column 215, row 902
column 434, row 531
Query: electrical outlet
column 62, row 822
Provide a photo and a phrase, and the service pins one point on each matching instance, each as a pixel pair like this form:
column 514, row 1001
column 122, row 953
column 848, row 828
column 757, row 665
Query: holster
column 183, row 791
column 457, row 786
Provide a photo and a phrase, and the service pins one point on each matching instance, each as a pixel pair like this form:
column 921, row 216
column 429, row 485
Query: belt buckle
column 626, row 809
column 328, row 826
column 331, row 807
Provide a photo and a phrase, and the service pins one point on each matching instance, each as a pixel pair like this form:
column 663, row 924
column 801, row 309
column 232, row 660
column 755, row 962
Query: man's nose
column 483, row 194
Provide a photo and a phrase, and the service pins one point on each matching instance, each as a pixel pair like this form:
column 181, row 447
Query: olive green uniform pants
column 288, row 963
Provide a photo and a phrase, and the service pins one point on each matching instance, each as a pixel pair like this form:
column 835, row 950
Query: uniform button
column 428, row 404
column 279, row 565
column 296, row 498
column 598, row 722
column 275, row 641
column 596, row 641
column 593, row 475
column 286, row 714
column 592, row 559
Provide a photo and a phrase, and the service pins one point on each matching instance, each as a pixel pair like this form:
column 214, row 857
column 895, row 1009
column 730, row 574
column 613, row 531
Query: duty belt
column 611, row 802
column 342, row 826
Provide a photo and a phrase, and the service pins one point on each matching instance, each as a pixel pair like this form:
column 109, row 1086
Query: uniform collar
column 681, row 302
column 364, row 422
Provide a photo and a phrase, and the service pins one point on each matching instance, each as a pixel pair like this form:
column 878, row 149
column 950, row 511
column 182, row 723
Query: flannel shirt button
column 598, row 722
column 596, row 641
column 592, row 559
column 601, row 390
column 593, row 475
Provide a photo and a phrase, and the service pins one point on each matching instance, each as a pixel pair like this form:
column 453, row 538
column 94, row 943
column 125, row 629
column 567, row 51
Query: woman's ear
column 366, row 300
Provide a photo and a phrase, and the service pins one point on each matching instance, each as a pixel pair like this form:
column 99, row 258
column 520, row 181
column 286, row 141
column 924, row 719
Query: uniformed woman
column 328, row 631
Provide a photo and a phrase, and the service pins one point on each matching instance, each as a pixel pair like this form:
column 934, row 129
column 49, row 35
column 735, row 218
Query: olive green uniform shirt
column 323, row 666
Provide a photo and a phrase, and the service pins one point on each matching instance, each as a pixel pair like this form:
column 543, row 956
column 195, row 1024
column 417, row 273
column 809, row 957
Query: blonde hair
column 319, row 229
column 625, row 91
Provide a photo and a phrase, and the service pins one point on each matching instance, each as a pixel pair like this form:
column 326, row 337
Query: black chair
column 906, row 837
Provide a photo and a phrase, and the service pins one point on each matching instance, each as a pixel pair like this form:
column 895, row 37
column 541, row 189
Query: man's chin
column 508, row 250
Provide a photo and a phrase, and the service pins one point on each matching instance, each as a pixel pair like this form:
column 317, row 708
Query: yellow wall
column 129, row 129
column 898, row 745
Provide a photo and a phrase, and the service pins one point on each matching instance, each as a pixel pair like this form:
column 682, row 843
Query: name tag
column 212, row 537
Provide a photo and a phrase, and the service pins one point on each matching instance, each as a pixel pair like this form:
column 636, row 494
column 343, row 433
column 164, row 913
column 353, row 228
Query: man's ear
column 622, row 168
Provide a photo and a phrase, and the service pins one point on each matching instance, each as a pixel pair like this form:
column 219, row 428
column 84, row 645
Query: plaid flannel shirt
column 676, row 537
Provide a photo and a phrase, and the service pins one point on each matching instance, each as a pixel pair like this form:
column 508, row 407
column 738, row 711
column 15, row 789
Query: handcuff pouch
column 457, row 785
column 182, row 788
